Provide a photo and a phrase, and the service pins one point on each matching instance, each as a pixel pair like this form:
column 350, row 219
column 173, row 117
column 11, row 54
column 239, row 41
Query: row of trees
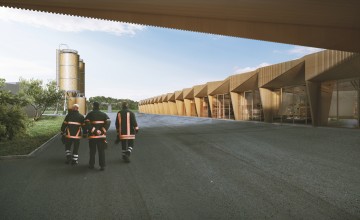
column 115, row 103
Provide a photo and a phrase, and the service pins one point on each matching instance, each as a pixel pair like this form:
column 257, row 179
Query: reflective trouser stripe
column 130, row 149
column 75, row 157
column 128, row 123
column 68, row 152
column 119, row 120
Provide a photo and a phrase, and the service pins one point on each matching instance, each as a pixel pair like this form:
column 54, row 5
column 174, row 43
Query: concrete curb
column 31, row 154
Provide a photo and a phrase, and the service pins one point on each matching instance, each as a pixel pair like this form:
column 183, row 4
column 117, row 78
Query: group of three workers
column 94, row 126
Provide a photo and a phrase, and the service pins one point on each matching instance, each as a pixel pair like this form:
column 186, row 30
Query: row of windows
column 339, row 105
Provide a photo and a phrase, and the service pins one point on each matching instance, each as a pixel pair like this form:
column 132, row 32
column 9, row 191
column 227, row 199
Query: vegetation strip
column 38, row 133
column 25, row 156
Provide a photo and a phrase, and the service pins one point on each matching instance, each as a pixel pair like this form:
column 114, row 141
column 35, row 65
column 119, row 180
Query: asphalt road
column 194, row 168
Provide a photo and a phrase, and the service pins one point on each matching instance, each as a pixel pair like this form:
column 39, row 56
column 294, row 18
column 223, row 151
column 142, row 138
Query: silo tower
column 80, row 99
column 71, row 77
column 68, row 66
column 67, row 76
column 81, row 82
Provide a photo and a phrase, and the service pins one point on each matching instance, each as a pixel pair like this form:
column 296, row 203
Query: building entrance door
column 250, row 106
column 223, row 107
column 344, row 105
column 293, row 106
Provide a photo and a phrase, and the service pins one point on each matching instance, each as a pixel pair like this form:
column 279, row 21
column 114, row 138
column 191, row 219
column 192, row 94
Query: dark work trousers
column 69, row 142
column 99, row 144
column 127, row 143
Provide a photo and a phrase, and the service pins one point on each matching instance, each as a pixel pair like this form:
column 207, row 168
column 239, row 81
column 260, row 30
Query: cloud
column 299, row 50
column 216, row 37
column 66, row 23
column 249, row 69
column 12, row 69
column 303, row 50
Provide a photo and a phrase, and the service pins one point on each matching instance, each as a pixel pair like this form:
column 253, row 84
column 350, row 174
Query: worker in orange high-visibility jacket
column 126, row 127
column 97, row 124
column 71, row 130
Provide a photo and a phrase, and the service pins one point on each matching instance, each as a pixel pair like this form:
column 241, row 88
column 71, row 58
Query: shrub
column 13, row 122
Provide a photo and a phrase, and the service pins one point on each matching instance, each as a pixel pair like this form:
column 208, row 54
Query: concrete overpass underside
column 324, row 24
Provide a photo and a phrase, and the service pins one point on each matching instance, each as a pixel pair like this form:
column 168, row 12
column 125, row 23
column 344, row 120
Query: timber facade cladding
column 328, row 24
column 320, row 89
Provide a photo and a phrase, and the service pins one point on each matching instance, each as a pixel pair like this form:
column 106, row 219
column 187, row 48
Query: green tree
column 40, row 97
column 13, row 120
column 116, row 103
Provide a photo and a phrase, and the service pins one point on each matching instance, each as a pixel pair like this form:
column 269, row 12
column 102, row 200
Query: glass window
column 343, row 110
column 293, row 106
column 250, row 106
column 222, row 107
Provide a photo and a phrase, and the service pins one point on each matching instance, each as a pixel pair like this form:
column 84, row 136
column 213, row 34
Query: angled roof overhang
column 158, row 99
column 222, row 88
column 161, row 98
column 171, row 97
column 291, row 77
column 332, row 65
column 200, row 91
column 211, row 86
column 152, row 100
column 327, row 24
column 179, row 95
column 165, row 98
column 282, row 74
column 188, row 93
column 244, row 81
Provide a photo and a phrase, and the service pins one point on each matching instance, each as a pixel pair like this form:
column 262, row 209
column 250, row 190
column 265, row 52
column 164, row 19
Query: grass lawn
column 41, row 131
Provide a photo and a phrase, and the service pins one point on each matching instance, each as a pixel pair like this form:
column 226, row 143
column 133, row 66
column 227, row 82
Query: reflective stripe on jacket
column 126, row 124
column 97, row 123
column 72, row 125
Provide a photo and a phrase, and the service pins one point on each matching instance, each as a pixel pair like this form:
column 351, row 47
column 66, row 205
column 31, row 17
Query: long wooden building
column 320, row 89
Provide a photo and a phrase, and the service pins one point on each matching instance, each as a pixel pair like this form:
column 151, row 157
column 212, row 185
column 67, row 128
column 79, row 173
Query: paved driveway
column 194, row 168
